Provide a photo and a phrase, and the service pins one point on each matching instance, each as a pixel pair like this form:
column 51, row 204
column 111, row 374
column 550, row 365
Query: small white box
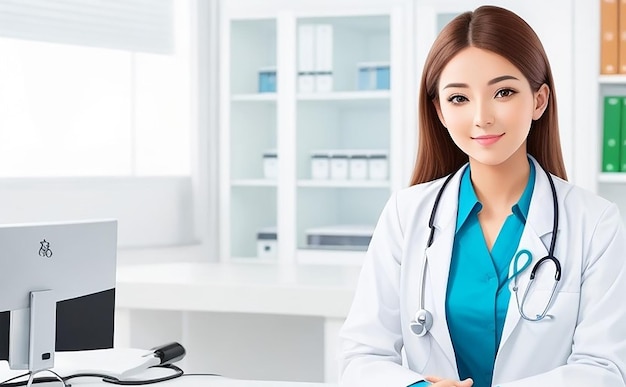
column 339, row 166
column 324, row 82
column 267, row 79
column 373, row 76
column 270, row 164
column 267, row 243
column 306, row 82
column 378, row 165
column 320, row 165
column 358, row 165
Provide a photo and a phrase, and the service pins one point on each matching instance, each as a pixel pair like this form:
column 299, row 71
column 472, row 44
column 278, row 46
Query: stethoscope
column 423, row 320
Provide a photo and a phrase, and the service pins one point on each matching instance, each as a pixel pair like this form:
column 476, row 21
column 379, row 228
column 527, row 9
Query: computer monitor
column 57, row 290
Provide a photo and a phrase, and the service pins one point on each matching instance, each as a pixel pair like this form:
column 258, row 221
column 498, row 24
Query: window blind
column 133, row 25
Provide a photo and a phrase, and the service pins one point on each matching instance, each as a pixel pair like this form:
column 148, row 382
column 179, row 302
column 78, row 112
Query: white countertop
column 289, row 289
column 185, row 381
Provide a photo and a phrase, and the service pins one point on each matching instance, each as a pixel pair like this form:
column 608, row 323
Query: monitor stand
column 32, row 333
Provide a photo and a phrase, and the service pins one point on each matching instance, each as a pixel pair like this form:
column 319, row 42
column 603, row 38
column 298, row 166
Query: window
column 76, row 100
column 96, row 115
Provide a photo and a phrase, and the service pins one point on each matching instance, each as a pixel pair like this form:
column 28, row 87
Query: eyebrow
column 491, row 82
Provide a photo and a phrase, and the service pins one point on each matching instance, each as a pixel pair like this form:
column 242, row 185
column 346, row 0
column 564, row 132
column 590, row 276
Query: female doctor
column 491, row 269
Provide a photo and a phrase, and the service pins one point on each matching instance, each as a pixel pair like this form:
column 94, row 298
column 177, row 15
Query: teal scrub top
column 477, row 295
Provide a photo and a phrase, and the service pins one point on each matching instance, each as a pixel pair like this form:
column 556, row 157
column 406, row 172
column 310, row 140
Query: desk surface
column 184, row 381
column 290, row 289
column 200, row 381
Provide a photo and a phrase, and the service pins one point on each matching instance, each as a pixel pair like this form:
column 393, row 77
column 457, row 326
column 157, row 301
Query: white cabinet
column 250, row 131
column 295, row 125
column 591, row 88
column 351, row 116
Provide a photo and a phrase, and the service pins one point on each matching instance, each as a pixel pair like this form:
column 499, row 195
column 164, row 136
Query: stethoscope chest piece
column 422, row 322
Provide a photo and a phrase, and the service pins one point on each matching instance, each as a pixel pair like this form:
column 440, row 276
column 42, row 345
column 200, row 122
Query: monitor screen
column 77, row 261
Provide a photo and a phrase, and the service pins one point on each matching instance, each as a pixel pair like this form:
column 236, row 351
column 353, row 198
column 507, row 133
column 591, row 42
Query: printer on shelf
column 340, row 237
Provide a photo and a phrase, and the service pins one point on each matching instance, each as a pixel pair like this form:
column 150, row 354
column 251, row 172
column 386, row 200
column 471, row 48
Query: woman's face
column 487, row 105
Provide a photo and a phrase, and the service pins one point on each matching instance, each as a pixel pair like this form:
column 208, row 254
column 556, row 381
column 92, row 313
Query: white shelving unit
column 610, row 185
column 295, row 124
column 591, row 88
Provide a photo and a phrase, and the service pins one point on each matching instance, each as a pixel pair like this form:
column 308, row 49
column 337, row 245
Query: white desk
column 203, row 381
column 303, row 290
column 183, row 381
column 197, row 381
column 292, row 290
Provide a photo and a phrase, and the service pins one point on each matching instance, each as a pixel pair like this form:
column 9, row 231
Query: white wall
column 150, row 211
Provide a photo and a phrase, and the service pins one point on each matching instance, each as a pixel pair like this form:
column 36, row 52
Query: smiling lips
column 488, row 139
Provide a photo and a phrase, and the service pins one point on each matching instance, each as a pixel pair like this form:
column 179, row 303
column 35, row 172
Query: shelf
column 343, row 184
column 348, row 99
column 254, row 97
column 345, row 95
column 253, row 183
column 615, row 177
column 294, row 124
column 612, row 79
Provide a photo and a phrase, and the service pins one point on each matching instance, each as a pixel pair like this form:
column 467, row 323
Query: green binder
column 622, row 152
column 611, row 144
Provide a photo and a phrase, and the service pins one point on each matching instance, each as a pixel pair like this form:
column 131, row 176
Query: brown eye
column 504, row 93
column 457, row 99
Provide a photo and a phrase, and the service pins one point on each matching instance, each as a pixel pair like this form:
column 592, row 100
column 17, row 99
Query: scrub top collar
column 468, row 201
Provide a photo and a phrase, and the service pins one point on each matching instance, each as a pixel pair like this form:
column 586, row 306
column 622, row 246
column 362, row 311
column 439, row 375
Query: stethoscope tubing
column 550, row 256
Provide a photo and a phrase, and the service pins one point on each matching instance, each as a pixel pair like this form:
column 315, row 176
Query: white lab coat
column 584, row 344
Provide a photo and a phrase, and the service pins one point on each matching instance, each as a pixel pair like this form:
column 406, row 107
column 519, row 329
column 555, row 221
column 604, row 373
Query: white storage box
column 378, row 165
column 270, row 164
column 339, row 166
column 267, row 243
column 358, row 165
column 320, row 165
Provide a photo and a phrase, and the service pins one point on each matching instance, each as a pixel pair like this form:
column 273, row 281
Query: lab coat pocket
column 535, row 303
column 556, row 329
column 417, row 351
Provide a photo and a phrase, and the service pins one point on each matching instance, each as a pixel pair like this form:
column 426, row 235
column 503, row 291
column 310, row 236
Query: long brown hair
column 506, row 34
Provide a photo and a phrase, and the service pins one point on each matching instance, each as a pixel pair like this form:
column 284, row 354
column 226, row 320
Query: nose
column 483, row 117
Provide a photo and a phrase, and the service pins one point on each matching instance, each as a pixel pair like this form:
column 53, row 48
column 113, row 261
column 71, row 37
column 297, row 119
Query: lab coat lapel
column 536, row 239
column 439, row 257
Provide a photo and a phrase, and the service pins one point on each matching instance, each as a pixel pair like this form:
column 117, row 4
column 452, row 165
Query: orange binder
column 622, row 37
column 609, row 36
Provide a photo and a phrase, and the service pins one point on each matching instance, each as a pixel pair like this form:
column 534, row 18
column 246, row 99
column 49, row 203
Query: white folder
column 323, row 57
column 306, row 58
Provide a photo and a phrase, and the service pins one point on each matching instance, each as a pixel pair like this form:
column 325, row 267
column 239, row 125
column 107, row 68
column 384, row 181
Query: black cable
column 177, row 373
column 13, row 378
column 105, row 378
column 45, row 379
